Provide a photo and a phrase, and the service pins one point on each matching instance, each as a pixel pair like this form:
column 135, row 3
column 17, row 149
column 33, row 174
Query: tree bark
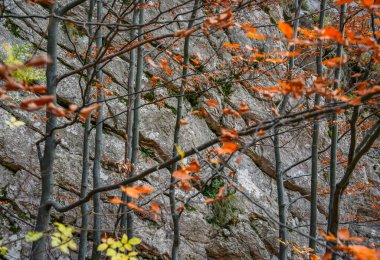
column 174, row 213
column 281, row 193
column 98, row 142
column 47, row 161
column 129, row 126
column 334, row 137
column 136, row 111
column 315, row 143
column 86, row 152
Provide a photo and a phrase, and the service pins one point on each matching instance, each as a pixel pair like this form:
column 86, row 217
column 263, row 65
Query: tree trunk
column 98, row 143
column 136, row 111
column 334, row 137
column 175, row 215
column 281, row 193
column 129, row 126
column 86, row 152
column 47, row 161
column 314, row 149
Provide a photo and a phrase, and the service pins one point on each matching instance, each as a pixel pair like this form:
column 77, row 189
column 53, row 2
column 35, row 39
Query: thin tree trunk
column 98, row 143
column 362, row 149
column 175, row 215
column 47, row 161
column 129, row 125
column 314, row 149
column 136, row 111
column 86, row 153
column 334, row 137
column 281, row 193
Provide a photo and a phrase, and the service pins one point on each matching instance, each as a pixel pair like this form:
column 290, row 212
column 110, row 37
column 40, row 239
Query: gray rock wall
column 245, row 231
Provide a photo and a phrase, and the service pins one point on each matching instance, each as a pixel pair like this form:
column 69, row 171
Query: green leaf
column 4, row 250
column 33, row 236
column 102, row 247
column 134, row 241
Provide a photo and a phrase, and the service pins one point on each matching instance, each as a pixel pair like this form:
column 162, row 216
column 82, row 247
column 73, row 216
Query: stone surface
column 251, row 232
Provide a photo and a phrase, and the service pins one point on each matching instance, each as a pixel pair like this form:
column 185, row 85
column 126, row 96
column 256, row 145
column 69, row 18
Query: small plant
column 225, row 212
column 63, row 238
column 120, row 249
column 16, row 55
column 147, row 153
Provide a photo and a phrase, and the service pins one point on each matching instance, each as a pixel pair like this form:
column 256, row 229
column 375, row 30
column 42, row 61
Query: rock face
column 242, row 227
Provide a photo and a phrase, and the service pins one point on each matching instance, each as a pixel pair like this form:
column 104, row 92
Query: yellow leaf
column 102, row 247
column 33, row 236
column 180, row 152
column 124, row 239
column 134, row 241
column 13, row 122
column 110, row 252
column 65, row 248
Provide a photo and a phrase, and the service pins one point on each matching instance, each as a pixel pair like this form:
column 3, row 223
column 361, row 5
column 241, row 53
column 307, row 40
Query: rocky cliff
column 232, row 229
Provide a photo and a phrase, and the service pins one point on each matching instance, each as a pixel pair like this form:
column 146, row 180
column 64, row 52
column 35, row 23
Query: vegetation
column 141, row 40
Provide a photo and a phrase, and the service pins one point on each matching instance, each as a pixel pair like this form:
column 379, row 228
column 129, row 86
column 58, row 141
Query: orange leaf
column 155, row 207
column 227, row 148
column 229, row 133
column 87, row 110
column 151, row 62
column 341, row 2
column 39, row 60
column 193, row 166
column 154, row 81
column 116, row 200
column 144, row 189
column 32, row 104
column 314, row 257
column 136, row 208
column 57, row 111
column 261, row 132
column 243, row 108
column 286, row 29
column 327, row 256
column 37, row 89
column 231, row 45
column 211, row 103
column 256, row 36
column 182, row 175
column 131, row 192
column 343, row 234
column 137, row 191
column 334, row 62
column 183, row 122
column 231, row 112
